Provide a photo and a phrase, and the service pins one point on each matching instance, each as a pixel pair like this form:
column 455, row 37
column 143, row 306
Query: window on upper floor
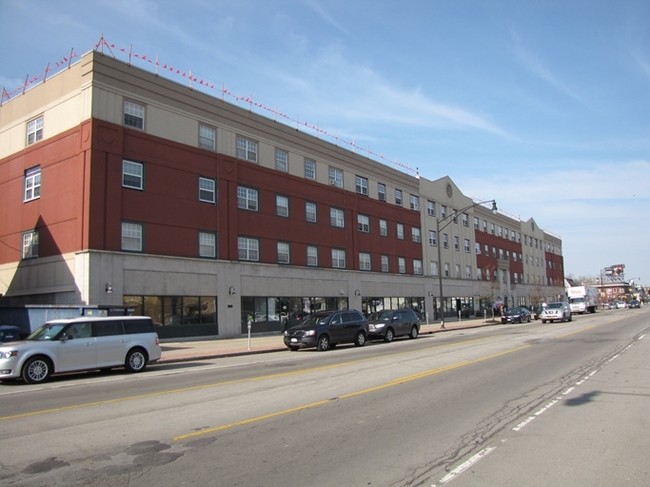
column 456, row 243
column 416, row 235
column 401, row 265
column 312, row 256
column 431, row 208
column 35, row 130
column 381, row 191
column 248, row 249
column 337, row 218
column 364, row 261
column 338, row 258
column 207, row 244
column 433, row 238
column 417, row 267
column 476, row 223
column 400, row 231
column 207, row 137
column 335, row 177
column 246, row 149
column 383, row 228
column 384, row 264
column 361, row 185
column 443, row 212
column 466, row 246
column 310, row 169
column 468, row 272
column 284, row 256
column 247, row 198
column 132, row 237
column 310, row 212
column 363, row 223
column 281, row 160
column 32, row 184
column 30, row 244
column 282, row 205
column 207, row 190
column 433, row 268
column 132, row 174
column 478, row 248
column 398, row 197
column 445, row 241
column 414, row 202
column 465, row 220
column 134, row 114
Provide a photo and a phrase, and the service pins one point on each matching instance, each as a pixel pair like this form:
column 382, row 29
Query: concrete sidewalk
column 191, row 350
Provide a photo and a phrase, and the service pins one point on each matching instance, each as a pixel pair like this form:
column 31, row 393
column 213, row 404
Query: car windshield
column 555, row 305
column 46, row 332
column 385, row 316
column 316, row 319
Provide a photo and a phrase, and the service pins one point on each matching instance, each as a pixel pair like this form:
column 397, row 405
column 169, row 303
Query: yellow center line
column 392, row 383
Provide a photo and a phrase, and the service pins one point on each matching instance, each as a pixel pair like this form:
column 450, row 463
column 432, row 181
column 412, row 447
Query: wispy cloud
column 324, row 15
column 642, row 62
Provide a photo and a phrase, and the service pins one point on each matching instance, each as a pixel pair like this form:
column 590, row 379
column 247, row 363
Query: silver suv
column 77, row 344
column 557, row 311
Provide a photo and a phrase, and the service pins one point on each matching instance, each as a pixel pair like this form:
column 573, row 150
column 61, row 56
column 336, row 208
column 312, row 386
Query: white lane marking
column 465, row 465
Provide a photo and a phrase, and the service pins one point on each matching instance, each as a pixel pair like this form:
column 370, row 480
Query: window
column 132, row 174
column 30, row 244
column 414, row 202
column 477, row 247
column 207, row 190
column 416, row 235
column 401, row 265
column 364, row 261
column 466, row 246
column 312, row 256
column 133, row 115
column 338, row 258
column 32, row 185
column 381, row 191
column 282, row 206
column 363, row 223
column 132, row 237
column 361, row 185
column 479, row 275
column 465, row 220
column 400, row 231
column 457, row 267
column 417, row 267
column 35, row 130
column 476, row 223
column 383, row 228
column 433, row 239
column 484, row 225
column 431, row 208
column 456, row 243
column 384, row 264
column 246, row 149
column 310, row 211
column 247, row 198
column 398, row 197
column 248, row 248
column 310, row 169
column 433, row 268
column 336, row 218
column 445, row 241
column 207, row 244
column 281, row 160
column 207, row 137
column 454, row 216
column 443, row 212
column 468, row 272
column 283, row 252
column 336, row 177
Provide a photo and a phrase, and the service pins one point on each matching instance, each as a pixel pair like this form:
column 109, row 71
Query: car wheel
column 360, row 341
column 414, row 332
column 136, row 360
column 528, row 319
column 388, row 337
column 36, row 370
column 323, row 343
column 543, row 321
column 570, row 317
column 294, row 349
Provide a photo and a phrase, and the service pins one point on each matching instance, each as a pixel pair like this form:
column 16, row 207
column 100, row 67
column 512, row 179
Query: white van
column 84, row 343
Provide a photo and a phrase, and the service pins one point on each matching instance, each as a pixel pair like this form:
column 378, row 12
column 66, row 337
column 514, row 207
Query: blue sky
column 543, row 105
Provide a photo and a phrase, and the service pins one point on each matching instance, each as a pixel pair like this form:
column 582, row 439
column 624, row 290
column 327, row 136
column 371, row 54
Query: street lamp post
column 450, row 217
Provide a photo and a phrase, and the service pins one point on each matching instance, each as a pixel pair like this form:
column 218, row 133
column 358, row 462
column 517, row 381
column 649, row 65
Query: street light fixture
column 451, row 217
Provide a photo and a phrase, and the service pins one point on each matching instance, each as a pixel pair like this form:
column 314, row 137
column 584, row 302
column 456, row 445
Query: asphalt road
column 529, row 404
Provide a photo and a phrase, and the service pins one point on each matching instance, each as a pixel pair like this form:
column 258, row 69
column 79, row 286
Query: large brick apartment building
column 119, row 187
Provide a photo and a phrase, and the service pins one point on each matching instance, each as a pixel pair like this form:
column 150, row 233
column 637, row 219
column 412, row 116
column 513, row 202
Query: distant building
column 122, row 188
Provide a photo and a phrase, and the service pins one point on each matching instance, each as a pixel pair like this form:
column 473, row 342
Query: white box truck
column 583, row 299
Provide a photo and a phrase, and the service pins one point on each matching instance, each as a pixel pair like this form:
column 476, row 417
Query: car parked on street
column 557, row 311
column 517, row 314
column 326, row 329
column 621, row 304
column 9, row 333
column 84, row 343
column 635, row 303
column 392, row 323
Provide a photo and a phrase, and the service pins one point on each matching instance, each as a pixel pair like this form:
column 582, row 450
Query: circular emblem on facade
column 449, row 191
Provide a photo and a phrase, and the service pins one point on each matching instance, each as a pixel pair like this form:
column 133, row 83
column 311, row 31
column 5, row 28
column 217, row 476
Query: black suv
column 394, row 322
column 326, row 329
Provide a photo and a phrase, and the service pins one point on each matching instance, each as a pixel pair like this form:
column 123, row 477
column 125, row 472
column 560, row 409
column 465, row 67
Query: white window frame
column 30, row 241
column 282, row 205
column 399, row 229
column 281, row 160
column 433, row 238
column 417, row 267
column 433, row 268
column 335, row 176
column 431, row 208
column 456, row 243
column 398, row 197
column 363, row 223
column 364, row 261
column 134, row 114
column 465, row 220
column 383, row 228
column 246, row 149
column 401, row 265
column 385, row 267
column 466, row 245
column 34, row 130
column 132, row 237
column 207, row 190
column 361, row 185
column 207, row 137
column 312, row 256
column 248, row 249
column 338, row 259
column 310, row 169
column 414, row 202
column 284, row 252
column 381, row 191
column 132, row 174
column 247, row 198
column 208, row 245
column 468, row 272
column 337, row 218
column 32, row 184
column 416, row 235
column 311, row 212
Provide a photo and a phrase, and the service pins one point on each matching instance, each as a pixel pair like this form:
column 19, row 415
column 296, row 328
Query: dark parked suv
column 394, row 322
column 326, row 329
